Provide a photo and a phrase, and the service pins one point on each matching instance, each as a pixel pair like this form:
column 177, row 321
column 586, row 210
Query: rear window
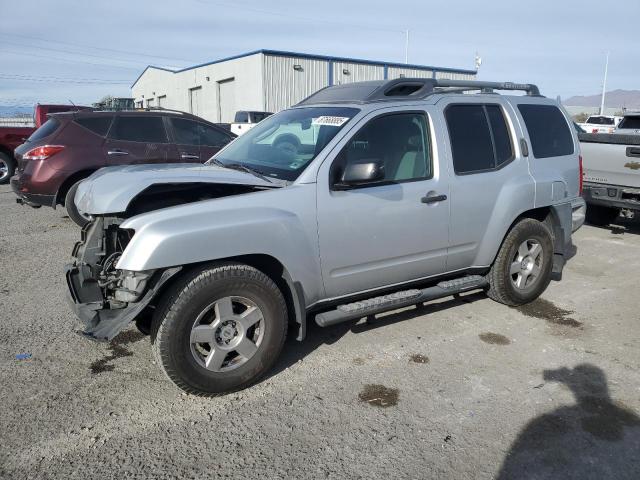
column 548, row 130
column 98, row 125
column 600, row 120
column 480, row 140
column 139, row 129
column 47, row 128
column 630, row 122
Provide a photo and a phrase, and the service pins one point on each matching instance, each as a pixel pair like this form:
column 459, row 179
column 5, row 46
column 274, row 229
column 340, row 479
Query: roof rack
column 408, row 89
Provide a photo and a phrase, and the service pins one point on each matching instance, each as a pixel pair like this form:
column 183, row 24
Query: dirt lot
column 463, row 388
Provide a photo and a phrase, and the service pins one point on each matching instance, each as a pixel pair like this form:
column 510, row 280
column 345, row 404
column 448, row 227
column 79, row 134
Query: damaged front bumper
column 101, row 305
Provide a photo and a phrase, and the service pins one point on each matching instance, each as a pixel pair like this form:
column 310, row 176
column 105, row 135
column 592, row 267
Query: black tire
column 72, row 210
column 7, row 167
column 185, row 302
column 600, row 215
column 502, row 284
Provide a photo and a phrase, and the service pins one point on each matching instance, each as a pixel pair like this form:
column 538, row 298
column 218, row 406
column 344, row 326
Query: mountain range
column 613, row 99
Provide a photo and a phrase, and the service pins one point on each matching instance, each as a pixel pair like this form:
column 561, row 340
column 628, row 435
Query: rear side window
column 548, row 130
column 139, row 129
column 480, row 139
column 98, row 125
column 47, row 128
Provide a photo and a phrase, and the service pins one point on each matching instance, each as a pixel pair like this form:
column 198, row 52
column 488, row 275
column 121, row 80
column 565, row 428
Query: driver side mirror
column 362, row 173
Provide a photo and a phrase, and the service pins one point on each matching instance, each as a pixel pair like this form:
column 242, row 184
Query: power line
column 126, row 52
column 49, row 57
column 19, row 76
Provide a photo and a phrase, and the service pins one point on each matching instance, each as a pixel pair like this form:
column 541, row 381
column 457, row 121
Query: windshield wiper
column 243, row 168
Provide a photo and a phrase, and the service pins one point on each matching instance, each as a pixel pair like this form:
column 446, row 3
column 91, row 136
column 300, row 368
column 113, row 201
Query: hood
column 111, row 189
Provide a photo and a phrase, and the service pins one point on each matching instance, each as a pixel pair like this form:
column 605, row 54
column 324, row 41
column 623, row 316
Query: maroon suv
column 71, row 146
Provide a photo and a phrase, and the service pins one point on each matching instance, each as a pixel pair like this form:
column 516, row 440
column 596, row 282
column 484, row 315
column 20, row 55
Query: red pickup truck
column 11, row 137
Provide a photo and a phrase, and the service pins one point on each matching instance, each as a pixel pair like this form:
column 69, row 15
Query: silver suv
column 363, row 198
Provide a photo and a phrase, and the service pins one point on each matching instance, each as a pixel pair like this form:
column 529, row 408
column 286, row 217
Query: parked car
column 611, row 176
column 630, row 124
column 246, row 120
column 12, row 137
column 71, row 146
column 400, row 192
column 601, row 123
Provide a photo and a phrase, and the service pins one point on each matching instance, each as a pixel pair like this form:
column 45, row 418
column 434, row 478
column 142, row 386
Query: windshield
column 282, row 145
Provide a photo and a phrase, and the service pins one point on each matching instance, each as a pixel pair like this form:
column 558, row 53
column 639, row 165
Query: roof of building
column 281, row 53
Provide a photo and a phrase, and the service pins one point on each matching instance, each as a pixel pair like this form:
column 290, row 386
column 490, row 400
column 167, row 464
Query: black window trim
column 493, row 144
column 117, row 117
column 381, row 183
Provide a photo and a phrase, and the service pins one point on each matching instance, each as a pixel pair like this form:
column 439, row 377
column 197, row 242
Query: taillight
column 43, row 152
column 581, row 173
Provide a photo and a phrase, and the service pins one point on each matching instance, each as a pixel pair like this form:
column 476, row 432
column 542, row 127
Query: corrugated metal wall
column 395, row 72
column 455, row 76
column 347, row 72
column 285, row 86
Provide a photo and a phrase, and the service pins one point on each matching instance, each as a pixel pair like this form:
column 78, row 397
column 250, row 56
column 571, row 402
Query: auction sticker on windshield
column 331, row 121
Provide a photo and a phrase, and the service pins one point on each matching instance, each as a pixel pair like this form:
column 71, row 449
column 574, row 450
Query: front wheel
column 522, row 269
column 220, row 329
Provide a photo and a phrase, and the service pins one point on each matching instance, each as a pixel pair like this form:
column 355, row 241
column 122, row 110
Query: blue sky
column 55, row 51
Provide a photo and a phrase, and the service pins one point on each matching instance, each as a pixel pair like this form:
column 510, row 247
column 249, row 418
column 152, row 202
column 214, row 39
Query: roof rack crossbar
column 408, row 89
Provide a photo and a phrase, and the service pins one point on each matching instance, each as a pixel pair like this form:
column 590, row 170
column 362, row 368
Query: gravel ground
column 462, row 388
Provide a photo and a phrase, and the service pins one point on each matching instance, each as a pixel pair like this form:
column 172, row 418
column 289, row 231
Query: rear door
column 196, row 141
column 137, row 139
column 490, row 182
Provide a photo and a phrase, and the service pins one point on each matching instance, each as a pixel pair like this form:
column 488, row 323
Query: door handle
column 433, row 198
column 117, row 152
column 633, row 152
column 187, row 156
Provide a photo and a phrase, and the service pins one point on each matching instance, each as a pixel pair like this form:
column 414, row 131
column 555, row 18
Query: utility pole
column 406, row 46
column 604, row 84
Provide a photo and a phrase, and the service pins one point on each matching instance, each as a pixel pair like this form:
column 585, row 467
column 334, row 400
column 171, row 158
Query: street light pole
column 604, row 84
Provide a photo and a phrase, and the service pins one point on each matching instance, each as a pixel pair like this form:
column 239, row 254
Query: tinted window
column 45, row 130
column 501, row 137
column 185, row 131
column 548, row 130
column 630, row 122
column 400, row 142
column 471, row 144
column 600, row 120
column 259, row 116
column 212, row 137
column 139, row 129
column 242, row 117
column 98, row 125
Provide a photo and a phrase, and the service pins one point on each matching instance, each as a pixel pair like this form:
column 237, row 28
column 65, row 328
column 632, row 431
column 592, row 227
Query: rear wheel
column 601, row 215
column 7, row 167
column 73, row 212
column 522, row 269
column 220, row 330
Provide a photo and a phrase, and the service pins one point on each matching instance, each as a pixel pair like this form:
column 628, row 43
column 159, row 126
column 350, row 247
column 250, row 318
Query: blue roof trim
column 310, row 56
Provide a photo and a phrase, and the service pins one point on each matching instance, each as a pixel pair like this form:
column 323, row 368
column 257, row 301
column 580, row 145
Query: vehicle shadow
column 596, row 438
column 622, row 225
column 294, row 351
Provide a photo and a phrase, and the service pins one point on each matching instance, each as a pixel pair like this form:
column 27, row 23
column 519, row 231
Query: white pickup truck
column 600, row 124
column 611, row 176
column 246, row 120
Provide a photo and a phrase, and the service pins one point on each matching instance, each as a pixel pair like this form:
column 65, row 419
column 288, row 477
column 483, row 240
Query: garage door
column 227, row 100
column 195, row 100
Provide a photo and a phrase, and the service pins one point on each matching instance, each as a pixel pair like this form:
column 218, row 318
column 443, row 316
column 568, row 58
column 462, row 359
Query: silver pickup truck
column 393, row 194
column 611, row 176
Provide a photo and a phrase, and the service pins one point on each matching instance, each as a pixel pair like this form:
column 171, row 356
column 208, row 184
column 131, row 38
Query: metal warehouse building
column 264, row 80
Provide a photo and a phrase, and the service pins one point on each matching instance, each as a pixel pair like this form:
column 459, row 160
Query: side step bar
column 400, row 299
